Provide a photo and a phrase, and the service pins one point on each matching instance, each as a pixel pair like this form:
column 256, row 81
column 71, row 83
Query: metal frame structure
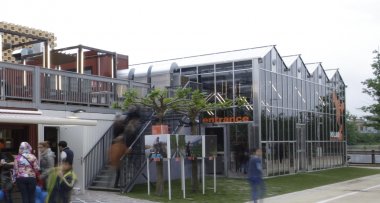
column 281, row 97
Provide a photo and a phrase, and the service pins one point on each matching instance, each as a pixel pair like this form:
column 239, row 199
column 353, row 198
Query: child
column 60, row 183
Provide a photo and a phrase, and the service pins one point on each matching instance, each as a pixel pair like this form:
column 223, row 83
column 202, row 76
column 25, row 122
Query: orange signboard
column 226, row 119
column 160, row 129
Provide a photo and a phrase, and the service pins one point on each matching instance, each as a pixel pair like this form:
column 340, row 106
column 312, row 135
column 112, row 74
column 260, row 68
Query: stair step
column 103, row 176
column 104, row 188
column 100, row 181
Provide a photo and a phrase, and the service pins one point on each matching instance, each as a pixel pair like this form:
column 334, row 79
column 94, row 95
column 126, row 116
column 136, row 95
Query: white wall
column 80, row 139
column 93, row 133
column 73, row 136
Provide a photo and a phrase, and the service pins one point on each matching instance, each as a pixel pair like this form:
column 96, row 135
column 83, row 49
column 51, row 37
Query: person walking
column 25, row 169
column 117, row 150
column 60, row 183
column 255, row 175
column 46, row 161
column 66, row 153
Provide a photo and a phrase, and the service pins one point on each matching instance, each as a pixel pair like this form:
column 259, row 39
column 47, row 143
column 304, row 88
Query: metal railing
column 97, row 157
column 135, row 161
column 38, row 85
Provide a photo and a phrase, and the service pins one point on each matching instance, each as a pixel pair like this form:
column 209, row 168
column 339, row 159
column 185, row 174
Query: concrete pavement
column 92, row 196
column 366, row 189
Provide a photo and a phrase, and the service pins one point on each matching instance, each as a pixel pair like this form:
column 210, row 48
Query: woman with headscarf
column 25, row 168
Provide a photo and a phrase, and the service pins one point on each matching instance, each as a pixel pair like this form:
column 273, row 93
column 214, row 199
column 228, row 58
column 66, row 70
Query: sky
column 340, row 34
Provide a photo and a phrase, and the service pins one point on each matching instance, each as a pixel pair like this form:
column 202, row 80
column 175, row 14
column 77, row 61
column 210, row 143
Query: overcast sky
column 340, row 34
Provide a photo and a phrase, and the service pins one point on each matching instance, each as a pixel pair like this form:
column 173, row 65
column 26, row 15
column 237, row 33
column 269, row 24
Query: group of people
column 26, row 171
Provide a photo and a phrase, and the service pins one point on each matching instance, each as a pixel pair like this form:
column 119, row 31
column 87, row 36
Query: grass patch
column 238, row 190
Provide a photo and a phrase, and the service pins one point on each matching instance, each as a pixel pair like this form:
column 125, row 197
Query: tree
column 160, row 102
column 373, row 90
column 157, row 99
column 352, row 130
column 195, row 104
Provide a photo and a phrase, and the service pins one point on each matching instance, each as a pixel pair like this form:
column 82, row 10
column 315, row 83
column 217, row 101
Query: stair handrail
column 141, row 132
column 102, row 145
column 100, row 139
column 129, row 187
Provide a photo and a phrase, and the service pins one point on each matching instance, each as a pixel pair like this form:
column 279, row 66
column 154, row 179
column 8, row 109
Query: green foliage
column 373, row 90
column 157, row 99
column 352, row 130
column 195, row 104
column 369, row 139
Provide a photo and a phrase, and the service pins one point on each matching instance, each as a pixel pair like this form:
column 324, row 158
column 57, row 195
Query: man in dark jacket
column 67, row 155
column 255, row 175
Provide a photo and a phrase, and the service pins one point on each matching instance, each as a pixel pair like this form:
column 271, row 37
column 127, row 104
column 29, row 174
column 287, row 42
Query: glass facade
column 296, row 117
column 302, row 118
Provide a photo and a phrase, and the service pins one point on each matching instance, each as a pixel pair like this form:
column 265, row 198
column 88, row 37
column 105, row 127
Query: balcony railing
column 38, row 85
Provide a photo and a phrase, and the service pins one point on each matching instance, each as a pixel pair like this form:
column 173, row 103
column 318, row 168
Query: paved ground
column 92, row 196
column 366, row 189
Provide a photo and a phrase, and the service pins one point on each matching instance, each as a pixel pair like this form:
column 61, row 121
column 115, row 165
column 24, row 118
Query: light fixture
column 74, row 113
column 78, row 111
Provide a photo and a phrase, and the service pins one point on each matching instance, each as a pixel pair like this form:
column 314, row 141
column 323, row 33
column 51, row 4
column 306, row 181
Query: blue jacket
column 255, row 171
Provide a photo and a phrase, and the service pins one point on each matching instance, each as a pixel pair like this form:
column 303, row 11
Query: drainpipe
column 46, row 55
column 1, row 46
column 80, row 60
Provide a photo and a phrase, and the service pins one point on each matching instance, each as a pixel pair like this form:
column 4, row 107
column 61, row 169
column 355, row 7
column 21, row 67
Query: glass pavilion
column 292, row 110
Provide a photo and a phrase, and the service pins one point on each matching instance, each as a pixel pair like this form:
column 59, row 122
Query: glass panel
column 223, row 67
column 239, row 134
column 206, row 69
column 262, row 87
column 243, row 85
column 268, row 88
column 243, row 65
column 189, row 71
column 274, row 89
column 224, row 86
column 285, row 91
column 207, row 81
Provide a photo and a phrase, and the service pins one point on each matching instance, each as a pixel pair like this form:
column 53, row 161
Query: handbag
column 40, row 182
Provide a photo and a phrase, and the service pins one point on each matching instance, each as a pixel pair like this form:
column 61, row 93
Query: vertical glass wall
column 301, row 114
column 302, row 118
column 222, row 81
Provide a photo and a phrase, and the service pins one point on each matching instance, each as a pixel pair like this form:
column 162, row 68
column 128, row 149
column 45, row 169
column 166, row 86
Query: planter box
column 160, row 129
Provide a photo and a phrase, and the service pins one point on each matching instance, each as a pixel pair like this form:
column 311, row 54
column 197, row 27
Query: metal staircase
column 97, row 173
column 132, row 164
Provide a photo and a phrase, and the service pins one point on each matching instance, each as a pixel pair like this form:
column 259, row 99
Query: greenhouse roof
column 166, row 65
